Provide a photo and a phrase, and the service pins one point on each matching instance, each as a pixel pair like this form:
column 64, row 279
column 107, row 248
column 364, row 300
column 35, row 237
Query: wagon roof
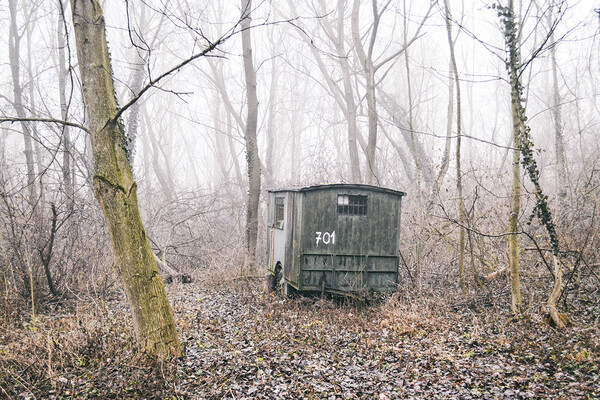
column 338, row 186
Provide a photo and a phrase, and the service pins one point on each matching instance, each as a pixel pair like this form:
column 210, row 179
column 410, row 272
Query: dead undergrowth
column 240, row 343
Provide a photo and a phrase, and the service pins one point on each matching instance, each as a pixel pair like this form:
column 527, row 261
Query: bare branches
column 154, row 82
column 48, row 120
column 416, row 36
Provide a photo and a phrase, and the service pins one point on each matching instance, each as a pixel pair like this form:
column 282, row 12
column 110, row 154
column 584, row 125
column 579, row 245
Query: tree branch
column 49, row 120
column 153, row 82
column 416, row 36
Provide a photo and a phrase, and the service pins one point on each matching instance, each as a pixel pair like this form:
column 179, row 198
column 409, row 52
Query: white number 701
column 325, row 237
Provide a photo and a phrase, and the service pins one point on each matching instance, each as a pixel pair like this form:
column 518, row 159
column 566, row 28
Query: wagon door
column 277, row 236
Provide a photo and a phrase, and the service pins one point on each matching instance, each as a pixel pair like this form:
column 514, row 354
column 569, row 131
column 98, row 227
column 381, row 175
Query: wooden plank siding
column 349, row 253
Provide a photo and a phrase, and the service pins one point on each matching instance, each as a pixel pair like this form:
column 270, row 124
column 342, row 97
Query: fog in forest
column 485, row 114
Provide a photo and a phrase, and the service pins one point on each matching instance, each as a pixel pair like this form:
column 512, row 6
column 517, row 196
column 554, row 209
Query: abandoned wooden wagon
column 339, row 238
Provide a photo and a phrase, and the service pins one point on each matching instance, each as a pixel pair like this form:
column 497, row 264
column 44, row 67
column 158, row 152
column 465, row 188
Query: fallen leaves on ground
column 243, row 344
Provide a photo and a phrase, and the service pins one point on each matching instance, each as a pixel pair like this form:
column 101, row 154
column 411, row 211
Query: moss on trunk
column 116, row 189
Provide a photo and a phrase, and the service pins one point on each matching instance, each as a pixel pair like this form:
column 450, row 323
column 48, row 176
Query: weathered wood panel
column 350, row 246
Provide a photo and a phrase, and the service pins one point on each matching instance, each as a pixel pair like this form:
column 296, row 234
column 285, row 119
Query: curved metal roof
column 338, row 186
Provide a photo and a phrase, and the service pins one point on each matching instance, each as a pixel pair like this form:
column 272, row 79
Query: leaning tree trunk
column 524, row 152
column 251, row 142
column 116, row 189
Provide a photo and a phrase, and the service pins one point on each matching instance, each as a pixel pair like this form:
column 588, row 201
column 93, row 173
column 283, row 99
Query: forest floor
column 243, row 344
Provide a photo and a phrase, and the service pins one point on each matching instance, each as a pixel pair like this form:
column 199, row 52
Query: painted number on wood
column 325, row 238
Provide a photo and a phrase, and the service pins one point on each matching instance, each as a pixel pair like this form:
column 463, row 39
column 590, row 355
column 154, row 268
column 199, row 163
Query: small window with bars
column 351, row 205
column 279, row 212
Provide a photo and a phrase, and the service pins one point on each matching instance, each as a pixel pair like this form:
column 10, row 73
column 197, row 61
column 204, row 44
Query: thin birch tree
column 252, row 157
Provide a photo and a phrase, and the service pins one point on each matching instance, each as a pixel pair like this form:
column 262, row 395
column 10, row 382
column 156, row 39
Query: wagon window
column 279, row 207
column 352, row 205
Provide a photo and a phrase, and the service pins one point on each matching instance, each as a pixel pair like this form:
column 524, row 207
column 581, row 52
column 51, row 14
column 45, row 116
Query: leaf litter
column 244, row 344
column 241, row 343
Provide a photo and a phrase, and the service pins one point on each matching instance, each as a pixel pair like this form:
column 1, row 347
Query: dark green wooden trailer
column 340, row 238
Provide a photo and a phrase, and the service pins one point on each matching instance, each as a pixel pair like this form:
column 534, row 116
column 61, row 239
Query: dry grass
column 241, row 342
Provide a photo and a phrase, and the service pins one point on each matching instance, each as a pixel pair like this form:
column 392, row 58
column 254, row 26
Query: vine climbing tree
column 523, row 155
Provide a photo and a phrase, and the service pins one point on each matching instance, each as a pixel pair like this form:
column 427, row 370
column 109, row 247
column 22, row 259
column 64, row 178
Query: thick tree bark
column 252, row 159
column 116, row 189
column 133, row 122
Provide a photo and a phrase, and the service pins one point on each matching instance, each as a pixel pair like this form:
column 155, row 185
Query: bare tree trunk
column 348, row 91
column 116, row 189
column 46, row 253
column 559, row 143
column 402, row 119
column 556, row 289
column 189, row 149
column 133, row 121
column 67, row 172
column 14, row 48
column 239, row 177
column 137, row 79
column 294, row 145
column 350, row 113
column 525, row 153
column 366, row 59
column 445, row 163
column 221, row 153
column 344, row 97
column 219, row 82
column 30, row 18
column 515, row 198
column 252, row 158
column 515, row 209
column 162, row 174
column 271, row 137
column 3, row 135
column 401, row 154
column 459, row 188
column 413, row 142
